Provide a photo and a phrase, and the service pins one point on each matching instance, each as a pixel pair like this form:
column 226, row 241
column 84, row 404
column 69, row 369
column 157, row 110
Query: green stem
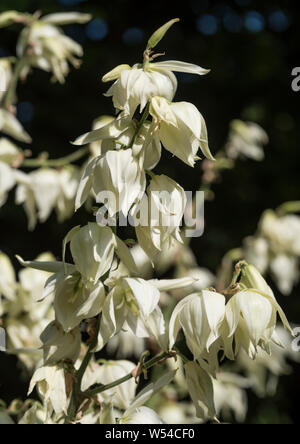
column 75, row 401
column 146, row 366
column 140, row 124
column 11, row 92
column 55, row 163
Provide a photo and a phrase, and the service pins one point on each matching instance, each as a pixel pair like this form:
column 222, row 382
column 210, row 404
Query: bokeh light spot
column 254, row 21
column 207, row 24
column 97, row 29
column 279, row 21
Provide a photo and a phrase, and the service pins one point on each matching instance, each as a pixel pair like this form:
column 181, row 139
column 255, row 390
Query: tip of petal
column 20, row 260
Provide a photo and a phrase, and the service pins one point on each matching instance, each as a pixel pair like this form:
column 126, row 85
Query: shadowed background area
column 251, row 48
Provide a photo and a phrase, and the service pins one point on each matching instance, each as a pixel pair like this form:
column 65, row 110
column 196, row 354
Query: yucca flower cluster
column 101, row 290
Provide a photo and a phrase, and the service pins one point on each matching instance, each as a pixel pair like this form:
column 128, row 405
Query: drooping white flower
column 181, row 128
column 77, row 290
column 137, row 85
column 201, row 316
column 51, row 386
column 134, row 302
column 251, row 314
column 246, row 139
column 117, row 173
column 48, row 48
column 159, row 223
column 59, row 345
column 131, row 300
column 76, row 300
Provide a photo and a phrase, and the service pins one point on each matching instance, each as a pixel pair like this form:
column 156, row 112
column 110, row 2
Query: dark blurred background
column 251, row 47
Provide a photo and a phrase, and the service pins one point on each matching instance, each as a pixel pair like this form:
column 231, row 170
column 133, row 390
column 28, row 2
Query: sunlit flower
column 201, row 316
column 181, row 129
column 135, row 86
column 159, row 223
column 118, row 173
column 251, row 314
column 50, row 382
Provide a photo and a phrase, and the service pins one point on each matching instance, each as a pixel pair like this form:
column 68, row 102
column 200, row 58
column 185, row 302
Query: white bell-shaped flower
column 181, row 128
column 159, row 223
column 118, row 172
column 136, row 86
column 50, row 382
column 251, row 314
column 201, row 316
column 76, row 300
column 92, row 249
column 135, row 301
column 59, row 345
